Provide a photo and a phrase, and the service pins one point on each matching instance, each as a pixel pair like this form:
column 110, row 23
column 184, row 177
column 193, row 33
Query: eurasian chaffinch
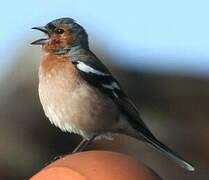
column 80, row 95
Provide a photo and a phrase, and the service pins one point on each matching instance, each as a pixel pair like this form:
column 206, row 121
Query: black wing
column 94, row 72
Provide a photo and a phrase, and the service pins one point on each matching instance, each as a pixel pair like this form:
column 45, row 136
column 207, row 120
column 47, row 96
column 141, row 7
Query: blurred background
column 158, row 50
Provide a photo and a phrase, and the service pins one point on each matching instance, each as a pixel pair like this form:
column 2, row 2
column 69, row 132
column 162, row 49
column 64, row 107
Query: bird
column 80, row 95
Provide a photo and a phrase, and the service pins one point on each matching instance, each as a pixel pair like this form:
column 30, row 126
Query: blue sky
column 160, row 36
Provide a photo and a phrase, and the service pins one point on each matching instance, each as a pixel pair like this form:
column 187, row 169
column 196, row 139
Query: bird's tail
column 168, row 152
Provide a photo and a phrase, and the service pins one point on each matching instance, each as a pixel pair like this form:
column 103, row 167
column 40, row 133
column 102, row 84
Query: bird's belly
column 77, row 108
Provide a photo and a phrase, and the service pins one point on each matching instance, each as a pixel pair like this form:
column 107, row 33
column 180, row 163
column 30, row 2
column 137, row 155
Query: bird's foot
column 59, row 157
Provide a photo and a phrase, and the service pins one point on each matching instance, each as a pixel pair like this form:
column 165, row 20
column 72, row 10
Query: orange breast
column 53, row 64
column 70, row 102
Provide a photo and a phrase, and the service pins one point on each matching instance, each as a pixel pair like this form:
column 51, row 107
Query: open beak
column 43, row 40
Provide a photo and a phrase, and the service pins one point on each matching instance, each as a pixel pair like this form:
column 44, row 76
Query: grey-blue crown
column 62, row 21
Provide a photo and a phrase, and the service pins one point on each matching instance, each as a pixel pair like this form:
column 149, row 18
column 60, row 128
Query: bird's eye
column 59, row 31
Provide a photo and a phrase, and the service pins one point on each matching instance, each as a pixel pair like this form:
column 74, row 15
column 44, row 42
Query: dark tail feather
column 168, row 152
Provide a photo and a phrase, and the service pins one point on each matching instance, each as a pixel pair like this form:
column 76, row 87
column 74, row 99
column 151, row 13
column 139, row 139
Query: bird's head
column 62, row 34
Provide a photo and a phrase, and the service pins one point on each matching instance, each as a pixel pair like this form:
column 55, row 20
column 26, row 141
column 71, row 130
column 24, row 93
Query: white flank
column 85, row 68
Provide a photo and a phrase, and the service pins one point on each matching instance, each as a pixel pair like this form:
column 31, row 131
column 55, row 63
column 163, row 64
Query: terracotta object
column 96, row 165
